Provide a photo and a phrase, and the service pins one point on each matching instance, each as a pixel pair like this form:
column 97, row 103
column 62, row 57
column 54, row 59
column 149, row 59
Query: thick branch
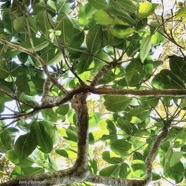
column 153, row 152
column 66, row 176
column 115, row 181
column 154, row 92
column 80, row 106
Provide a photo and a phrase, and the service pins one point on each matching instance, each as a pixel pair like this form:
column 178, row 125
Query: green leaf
column 84, row 62
column 126, row 126
column 94, row 39
column 53, row 56
column 12, row 156
column 146, row 9
column 32, row 170
column 110, row 171
column 25, row 145
column 44, row 23
column 176, row 172
column 109, row 159
column 67, row 153
column 98, row 4
column 121, row 31
column 5, row 139
column 124, row 5
column 124, row 170
column 181, row 13
column 167, row 80
column 157, row 38
column 134, row 72
column 102, row 18
column 117, row 103
column 42, row 138
column 19, row 24
column 175, row 158
column 63, row 109
column 118, row 12
column 145, row 47
column 4, row 69
column 85, row 15
column 178, row 66
column 62, row 6
column 111, row 127
column 121, row 147
column 39, row 44
column 140, row 113
column 66, row 28
column 50, row 115
column 155, row 177
column 78, row 38
column 22, row 85
column 180, row 138
column 71, row 134
column 138, row 167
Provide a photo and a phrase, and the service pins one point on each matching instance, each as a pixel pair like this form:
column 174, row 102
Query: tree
column 55, row 55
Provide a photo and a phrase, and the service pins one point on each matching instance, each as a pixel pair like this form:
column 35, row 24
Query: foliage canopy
column 56, row 55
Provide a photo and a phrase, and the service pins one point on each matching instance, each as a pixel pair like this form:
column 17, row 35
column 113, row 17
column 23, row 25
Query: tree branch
column 38, row 58
column 153, row 151
column 15, row 98
column 80, row 106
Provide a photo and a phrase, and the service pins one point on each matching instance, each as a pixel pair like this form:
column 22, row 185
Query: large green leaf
column 25, row 145
column 121, row 31
column 98, row 4
column 121, row 147
column 22, row 85
column 109, row 159
column 5, row 139
column 145, row 47
column 118, row 12
column 175, row 158
column 14, row 158
column 116, row 103
column 157, row 38
column 84, row 63
column 124, row 5
column 66, row 27
column 50, row 115
column 38, row 43
column 178, row 66
column 94, row 39
column 85, row 15
column 181, row 13
column 112, row 170
column 111, row 127
column 67, row 153
column 78, row 38
column 124, row 170
column 32, row 170
column 62, row 6
column 138, row 114
column 146, row 9
column 103, row 18
column 42, row 138
column 167, row 80
column 19, row 24
column 44, row 23
column 134, row 72
column 4, row 70
column 63, row 109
